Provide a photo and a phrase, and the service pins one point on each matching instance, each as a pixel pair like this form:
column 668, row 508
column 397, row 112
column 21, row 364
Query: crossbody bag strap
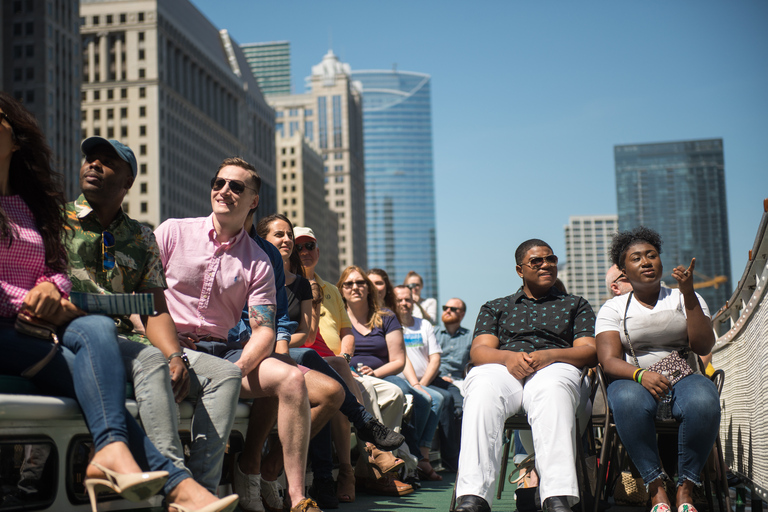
column 626, row 332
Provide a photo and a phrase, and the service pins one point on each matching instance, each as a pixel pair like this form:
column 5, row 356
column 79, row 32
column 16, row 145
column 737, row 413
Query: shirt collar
column 520, row 295
column 212, row 234
column 83, row 210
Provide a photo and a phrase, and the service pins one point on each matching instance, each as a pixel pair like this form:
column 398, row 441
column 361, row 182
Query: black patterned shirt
column 526, row 325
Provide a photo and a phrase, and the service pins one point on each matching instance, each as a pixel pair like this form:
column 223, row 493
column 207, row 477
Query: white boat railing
column 742, row 352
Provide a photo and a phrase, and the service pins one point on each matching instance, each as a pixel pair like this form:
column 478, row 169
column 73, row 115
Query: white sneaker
column 248, row 487
column 272, row 494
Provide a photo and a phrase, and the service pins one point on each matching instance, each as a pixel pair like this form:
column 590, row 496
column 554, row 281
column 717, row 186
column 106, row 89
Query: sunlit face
column 354, row 288
column 415, row 284
column 104, row 174
column 618, row 282
column 454, row 313
column 281, row 236
column 309, row 257
column 403, row 301
column 229, row 204
column 542, row 277
column 642, row 264
column 380, row 284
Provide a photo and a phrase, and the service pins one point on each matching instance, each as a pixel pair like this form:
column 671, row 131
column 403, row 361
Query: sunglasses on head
column 537, row 263
column 236, row 186
column 107, row 242
column 310, row 246
column 452, row 308
column 349, row 284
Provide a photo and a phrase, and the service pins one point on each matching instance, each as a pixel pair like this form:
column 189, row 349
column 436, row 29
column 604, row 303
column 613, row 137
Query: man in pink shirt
column 212, row 268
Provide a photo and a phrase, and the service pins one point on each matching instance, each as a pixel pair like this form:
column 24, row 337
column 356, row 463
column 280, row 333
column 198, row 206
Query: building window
column 141, row 16
column 340, row 203
column 124, row 112
column 97, row 114
column 144, row 208
column 141, row 36
column 110, row 132
column 307, row 112
column 339, row 179
column 29, row 28
column 142, row 111
column 123, row 93
column 285, row 163
column 122, row 18
column 143, row 188
column 97, row 132
column 141, row 54
column 84, row 115
column 339, row 191
column 142, row 92
column 95, row 20
column 142, row 73
column 96, row 95
column 123, row 131
column 337, row 121
column 293, row 112
column 110, row 113
column 142, row 130
column 308, row 133
column 279, row 114
column 293, row 163
column 29, row 97
column 143, row 169
column 143, row 149
column 282, row 151
column 18, row 74
column 110, row 94
column 30, row 50
column 109, row 19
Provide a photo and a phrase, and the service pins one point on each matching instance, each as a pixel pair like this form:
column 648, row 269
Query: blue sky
column 529, row 99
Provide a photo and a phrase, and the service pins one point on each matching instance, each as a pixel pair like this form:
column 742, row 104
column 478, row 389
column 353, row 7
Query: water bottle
column 664, row 410
column 359, row 367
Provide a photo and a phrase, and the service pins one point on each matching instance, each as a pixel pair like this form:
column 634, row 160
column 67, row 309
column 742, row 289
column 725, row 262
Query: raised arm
column 701, row 337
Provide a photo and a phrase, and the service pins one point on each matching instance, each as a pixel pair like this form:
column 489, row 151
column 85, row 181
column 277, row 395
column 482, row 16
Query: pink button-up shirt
column 22, row 265
column 210, row 282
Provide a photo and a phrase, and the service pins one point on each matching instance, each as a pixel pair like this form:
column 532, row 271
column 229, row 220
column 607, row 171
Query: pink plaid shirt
column 209, row 282
column 22, row 265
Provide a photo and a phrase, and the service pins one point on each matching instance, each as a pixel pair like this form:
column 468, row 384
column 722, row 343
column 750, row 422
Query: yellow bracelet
column 634, row 375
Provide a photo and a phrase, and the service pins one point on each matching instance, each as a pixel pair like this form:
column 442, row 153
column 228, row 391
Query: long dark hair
column 262, row 229
column 389, row 294
column 33, row 179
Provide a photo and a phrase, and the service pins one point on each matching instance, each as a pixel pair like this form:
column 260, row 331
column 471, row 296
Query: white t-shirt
column 430, row 306
column 420, row 343
column 654, row 333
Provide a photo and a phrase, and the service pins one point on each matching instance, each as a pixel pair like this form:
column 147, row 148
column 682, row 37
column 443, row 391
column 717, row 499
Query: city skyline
column 529, row 99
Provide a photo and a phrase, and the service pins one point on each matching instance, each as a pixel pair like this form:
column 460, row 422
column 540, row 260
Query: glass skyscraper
column 399, row 187
column 270, row 63
column 678, row 189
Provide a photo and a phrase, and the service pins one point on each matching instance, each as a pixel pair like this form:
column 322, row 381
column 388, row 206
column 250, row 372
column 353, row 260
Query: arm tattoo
column 262, row 316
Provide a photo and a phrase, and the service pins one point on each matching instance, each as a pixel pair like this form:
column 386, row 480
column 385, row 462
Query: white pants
column 550, row 397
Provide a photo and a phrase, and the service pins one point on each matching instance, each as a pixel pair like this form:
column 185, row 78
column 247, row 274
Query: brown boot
column 385, row 462
column 387, row 486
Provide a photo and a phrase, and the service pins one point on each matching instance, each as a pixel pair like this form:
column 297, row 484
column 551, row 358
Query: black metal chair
column 611, row 464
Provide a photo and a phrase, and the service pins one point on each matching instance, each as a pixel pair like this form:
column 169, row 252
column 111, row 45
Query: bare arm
column 348, row 342
column 410, row 374
column 301, row 336
column 262, row 341
column 161, row 332
column 396, row 350
column 485, row 350
column 583, row 353
column 701, row 337
column 433, row 366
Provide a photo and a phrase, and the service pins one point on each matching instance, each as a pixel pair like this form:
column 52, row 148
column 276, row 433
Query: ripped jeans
column 695, row 406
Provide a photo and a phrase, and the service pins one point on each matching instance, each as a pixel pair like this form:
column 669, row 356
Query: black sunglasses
column 536, row 263
column 452, row 308
column 236, row 186
column 348, row 284
column 310, row 246
column 621, row 276
column 107, row 243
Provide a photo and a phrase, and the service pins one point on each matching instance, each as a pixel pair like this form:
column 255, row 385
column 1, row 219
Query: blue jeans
column 424, row 415
column 88, row 367
column 695, row 406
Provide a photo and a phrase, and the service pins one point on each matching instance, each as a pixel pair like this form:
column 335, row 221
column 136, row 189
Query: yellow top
column 333, row 315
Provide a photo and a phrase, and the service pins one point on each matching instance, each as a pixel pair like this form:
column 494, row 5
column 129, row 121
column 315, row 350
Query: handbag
column 674, row 366
column 31, row 326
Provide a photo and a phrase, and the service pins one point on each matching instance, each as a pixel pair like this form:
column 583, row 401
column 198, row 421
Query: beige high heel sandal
column 227, row 504
column 131, row 486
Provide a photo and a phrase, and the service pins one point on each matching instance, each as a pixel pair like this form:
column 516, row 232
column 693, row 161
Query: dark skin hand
column 44, row 302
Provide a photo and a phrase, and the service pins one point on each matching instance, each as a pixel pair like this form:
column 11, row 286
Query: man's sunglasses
column 236, row 186
column 452, row 308
column 536, row 263
column 347, row 285
column 310, row 246
column 621, row 276
column 107, row 243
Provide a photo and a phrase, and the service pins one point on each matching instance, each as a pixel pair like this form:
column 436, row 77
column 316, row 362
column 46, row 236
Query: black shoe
column 472, row 503
column 323, row 492
column 379, row 435
column 556, row 504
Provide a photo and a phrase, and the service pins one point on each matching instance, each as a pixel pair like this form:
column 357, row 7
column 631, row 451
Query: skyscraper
column 587, row 239
column 678, row 189
column 158, row 76
column 400, row 198
column 40, row 62
column 329, row 115
column 271, row 65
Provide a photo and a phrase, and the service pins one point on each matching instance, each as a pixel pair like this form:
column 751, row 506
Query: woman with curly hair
column 637, row 330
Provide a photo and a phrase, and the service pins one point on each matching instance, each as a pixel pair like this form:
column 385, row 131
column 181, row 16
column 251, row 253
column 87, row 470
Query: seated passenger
column 86, row 364
column 100, row 229
column 640, row 328
column 213, row 267
column 528, row 351
column 423, row 307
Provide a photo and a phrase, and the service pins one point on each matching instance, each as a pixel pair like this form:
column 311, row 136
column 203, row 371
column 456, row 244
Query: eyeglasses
column 347, row 285
column 537, row 263
column 310, row 246
column 107, row 242
column 621, row 276
column 236, row 186
column 413, row 285
column 452, row 308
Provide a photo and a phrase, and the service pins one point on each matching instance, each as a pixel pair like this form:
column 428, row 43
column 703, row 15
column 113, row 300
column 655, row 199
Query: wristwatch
column 180, row 355
column 347, row 357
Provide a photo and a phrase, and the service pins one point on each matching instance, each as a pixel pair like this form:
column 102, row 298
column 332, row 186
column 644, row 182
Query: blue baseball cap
column 124, row 152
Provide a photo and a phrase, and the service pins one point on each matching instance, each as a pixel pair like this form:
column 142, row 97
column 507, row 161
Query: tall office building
column 40, row 53
column 330, row 117
column 587, row 240
column 271, row 65
column 301, row 197
column 678, row 189
column 400, row 197
column 160, row 77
